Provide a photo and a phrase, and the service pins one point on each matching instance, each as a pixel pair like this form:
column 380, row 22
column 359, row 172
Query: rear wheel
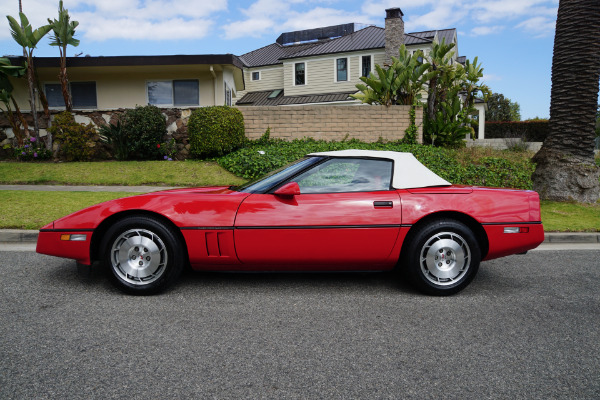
column 143, row 255
column 442, row 257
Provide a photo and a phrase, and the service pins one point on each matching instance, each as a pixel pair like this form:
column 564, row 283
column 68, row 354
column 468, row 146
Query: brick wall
column 366, row 123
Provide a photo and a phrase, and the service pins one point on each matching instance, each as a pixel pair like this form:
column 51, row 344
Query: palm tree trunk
column 565, row 164
column 21, row 119
column 64, row 80
column 32, row 90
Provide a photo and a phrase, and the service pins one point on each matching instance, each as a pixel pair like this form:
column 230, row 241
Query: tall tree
column 28, row 38
column 565, row 164
column 502, row 108
column 63, row 35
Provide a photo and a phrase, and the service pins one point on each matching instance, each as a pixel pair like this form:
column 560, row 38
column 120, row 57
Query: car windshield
column 274, row 178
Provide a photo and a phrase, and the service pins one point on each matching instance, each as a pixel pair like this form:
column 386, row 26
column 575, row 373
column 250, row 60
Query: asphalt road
column 526, row 328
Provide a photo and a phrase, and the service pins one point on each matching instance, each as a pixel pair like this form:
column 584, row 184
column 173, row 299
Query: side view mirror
column 290, row 189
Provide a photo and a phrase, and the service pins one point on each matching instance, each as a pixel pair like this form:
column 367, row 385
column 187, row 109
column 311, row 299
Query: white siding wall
column 271, row 78
column 321, row 75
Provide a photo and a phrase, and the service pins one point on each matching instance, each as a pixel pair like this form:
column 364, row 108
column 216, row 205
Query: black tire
column 143, row 254
column 442, row 257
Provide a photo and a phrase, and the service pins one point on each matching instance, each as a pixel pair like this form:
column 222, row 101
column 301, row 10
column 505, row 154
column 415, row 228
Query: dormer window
column 299, row 74
column 365, row 65
column 256, row 76
column 341, row 69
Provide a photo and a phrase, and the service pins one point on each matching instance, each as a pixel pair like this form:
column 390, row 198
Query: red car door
column 338, row 223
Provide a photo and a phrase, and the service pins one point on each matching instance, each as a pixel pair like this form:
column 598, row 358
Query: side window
column 299, row 74
column 341, row 175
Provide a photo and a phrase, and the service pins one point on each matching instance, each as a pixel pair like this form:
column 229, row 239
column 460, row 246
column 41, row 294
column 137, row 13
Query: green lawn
column 128, row 173
column 570, row 217
column 22, row 209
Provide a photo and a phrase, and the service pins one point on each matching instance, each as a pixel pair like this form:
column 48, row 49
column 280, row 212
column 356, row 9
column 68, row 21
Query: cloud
column 490, row 10
column 486, row 30
column 490, row 77
column 276, row 16
column 538, row 26
column 443, row 15
column 136, row 29
column 124, row 19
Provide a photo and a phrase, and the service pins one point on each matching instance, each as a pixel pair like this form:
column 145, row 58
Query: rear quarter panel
column 494, row 209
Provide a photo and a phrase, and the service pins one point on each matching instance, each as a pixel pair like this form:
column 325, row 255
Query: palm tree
column 28, row 38
column 565, row 164
column 64, row 35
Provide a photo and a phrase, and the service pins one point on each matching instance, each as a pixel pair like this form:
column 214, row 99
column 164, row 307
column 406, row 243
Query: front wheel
column 143, row 255
column 442, row 257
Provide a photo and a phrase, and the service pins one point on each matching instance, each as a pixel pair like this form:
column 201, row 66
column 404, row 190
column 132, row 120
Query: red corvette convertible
column 351, row 210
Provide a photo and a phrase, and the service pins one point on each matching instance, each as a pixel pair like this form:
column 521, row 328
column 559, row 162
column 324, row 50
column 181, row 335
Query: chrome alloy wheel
column 445, row 258
column 138, row 256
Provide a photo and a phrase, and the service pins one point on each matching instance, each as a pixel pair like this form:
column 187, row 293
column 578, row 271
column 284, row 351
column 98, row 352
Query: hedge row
column 530, row 131
column 257, row 159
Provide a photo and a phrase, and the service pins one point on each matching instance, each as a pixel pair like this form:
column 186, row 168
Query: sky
column 512, row 39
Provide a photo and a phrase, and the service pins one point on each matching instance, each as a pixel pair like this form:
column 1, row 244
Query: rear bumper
column 503, row 244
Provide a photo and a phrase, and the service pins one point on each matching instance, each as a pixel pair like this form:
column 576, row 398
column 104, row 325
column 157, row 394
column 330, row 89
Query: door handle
column 383, row 204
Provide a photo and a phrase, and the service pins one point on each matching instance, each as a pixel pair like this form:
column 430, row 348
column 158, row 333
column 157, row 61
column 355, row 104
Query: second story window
column 256, row 76
column 341, row 69
column 365, row 66
column 300, row 74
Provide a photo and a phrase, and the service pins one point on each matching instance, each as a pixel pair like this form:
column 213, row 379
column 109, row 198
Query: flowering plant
column 33, row 150
column 168, row 149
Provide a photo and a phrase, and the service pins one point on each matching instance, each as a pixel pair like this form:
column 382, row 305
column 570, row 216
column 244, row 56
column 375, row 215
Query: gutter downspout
column 212, row 72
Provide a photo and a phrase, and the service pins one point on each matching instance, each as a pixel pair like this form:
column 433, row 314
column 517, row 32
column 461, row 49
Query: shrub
column 144, row 128
column 215, row 131
column 115, row 136
column 258, row 159
column 75, row 140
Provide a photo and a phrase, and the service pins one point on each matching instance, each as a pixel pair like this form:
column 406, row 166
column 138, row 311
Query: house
column 323, row 65
column 107, row 83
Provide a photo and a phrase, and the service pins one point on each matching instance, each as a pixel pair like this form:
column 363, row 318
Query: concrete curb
column 30, row 236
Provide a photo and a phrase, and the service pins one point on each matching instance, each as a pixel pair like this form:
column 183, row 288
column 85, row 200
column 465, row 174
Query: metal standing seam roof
column 371, row 37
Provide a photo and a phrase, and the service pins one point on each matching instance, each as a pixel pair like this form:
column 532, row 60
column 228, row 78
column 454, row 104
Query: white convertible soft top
column 408, row 171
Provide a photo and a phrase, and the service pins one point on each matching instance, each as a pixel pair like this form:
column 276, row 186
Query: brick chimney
column 394, row 33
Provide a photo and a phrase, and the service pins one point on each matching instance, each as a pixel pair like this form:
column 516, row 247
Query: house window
column 300, row 74
column 365, row 65
column 178, row 93
column 342, row 69
column 227, row 95
column 83, row 94
column 54, row 95
column 256, row 76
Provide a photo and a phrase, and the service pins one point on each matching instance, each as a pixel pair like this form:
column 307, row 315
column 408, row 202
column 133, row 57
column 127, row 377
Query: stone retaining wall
column 366, row 123
column 176, row 126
